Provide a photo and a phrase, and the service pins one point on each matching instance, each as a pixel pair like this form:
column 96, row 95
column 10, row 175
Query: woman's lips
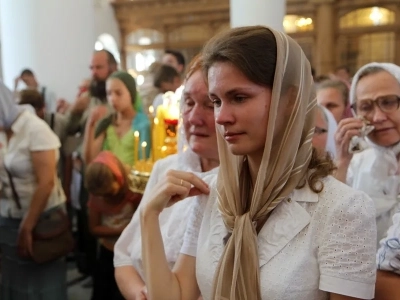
column 232, row 136
column 382, row 129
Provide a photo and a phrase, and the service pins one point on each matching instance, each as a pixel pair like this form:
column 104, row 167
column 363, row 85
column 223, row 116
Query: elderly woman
column 375, row 98
column 29, row 152
column 272, row 224
column 197, row 153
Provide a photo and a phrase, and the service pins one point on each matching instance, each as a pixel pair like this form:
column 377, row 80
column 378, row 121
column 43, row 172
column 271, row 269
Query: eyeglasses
column 386, row 104
column 320, row 130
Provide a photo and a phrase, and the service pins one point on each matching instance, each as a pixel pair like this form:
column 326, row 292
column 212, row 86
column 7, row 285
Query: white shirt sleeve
column 41, row 137
column 51, row 100
column 346, row 252
column 388, row 256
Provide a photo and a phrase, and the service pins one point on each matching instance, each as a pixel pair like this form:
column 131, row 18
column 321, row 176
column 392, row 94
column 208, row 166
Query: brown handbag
column 52, row 237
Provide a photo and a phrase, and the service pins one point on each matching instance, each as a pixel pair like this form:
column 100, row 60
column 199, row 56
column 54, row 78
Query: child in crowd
column 111, row 207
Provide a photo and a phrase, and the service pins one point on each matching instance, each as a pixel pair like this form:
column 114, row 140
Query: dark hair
column 164, row 73
column 337, row 85
column 99, row 177
column 27, row 72
column 178, row 55
column 32, row 97
column 110, row 57
column 313, row 72
column 252, row 50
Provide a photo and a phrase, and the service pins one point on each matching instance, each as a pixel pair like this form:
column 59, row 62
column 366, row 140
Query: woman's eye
column 240, row 98
column 216, row 102
column 189, row 102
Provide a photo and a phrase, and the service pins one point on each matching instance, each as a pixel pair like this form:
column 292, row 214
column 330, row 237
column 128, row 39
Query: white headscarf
column 389, row 67
column 332, row 127
column 386, row 166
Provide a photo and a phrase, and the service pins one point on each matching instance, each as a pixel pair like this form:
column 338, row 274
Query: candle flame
column 164, row 148
column 156, row 121
column 144, row 144
column 151, row 109
column 136, row 133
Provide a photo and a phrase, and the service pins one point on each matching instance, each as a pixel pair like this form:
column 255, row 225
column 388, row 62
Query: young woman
column 272, row 224
column 111, row 207
column 115, row 132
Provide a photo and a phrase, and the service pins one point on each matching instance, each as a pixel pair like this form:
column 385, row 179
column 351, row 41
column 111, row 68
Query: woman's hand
column 24, row 241
column 174, row 187
column 347, row 128
column 97, row 114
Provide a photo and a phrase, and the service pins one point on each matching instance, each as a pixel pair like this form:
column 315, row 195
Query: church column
column 258, row 12
column 397, row 38
column 53, row 38
column 325, row 36
column 123, row 52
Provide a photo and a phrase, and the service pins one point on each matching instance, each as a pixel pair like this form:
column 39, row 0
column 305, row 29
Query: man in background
column 174, row 59
column 29, row 79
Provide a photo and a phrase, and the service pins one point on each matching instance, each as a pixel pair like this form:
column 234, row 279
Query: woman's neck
column 208, row 164
column 254, row 166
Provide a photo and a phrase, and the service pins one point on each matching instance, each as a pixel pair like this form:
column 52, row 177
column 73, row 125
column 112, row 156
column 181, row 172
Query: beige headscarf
column 284, row 165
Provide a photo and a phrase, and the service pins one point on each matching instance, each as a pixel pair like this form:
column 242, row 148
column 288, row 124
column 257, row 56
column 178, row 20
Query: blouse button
column 289, row 200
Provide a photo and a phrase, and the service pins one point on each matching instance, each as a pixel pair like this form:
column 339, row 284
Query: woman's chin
column 385, row 141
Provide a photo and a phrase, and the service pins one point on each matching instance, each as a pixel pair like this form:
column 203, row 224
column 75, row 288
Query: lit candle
column 163, row 151
column 144, row 145
column 136, row 150
column 151, row 110
column 154, row 154
column 159, row 131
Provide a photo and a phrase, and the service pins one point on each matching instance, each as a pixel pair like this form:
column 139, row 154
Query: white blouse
column 388, row 256
column 30, row 134
column 312, row 245
column 173, row 220
column 374, row 171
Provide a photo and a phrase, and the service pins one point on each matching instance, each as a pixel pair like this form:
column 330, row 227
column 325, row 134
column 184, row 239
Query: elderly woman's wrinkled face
column 383, row 114
column 321, row 132
column 198, row 117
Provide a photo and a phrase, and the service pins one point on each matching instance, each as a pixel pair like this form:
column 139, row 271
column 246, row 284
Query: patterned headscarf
column 284, row 164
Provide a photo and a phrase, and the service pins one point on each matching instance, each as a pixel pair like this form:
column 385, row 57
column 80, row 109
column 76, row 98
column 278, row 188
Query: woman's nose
column 224, row 114
column 379, row 115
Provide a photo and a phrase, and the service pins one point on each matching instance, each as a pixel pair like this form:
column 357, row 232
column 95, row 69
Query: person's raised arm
column 161, row 282
column 347, row 128
column 92, row 145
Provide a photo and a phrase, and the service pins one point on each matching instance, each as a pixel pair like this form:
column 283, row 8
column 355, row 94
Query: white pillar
column 258, row 12
column 53, row 38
